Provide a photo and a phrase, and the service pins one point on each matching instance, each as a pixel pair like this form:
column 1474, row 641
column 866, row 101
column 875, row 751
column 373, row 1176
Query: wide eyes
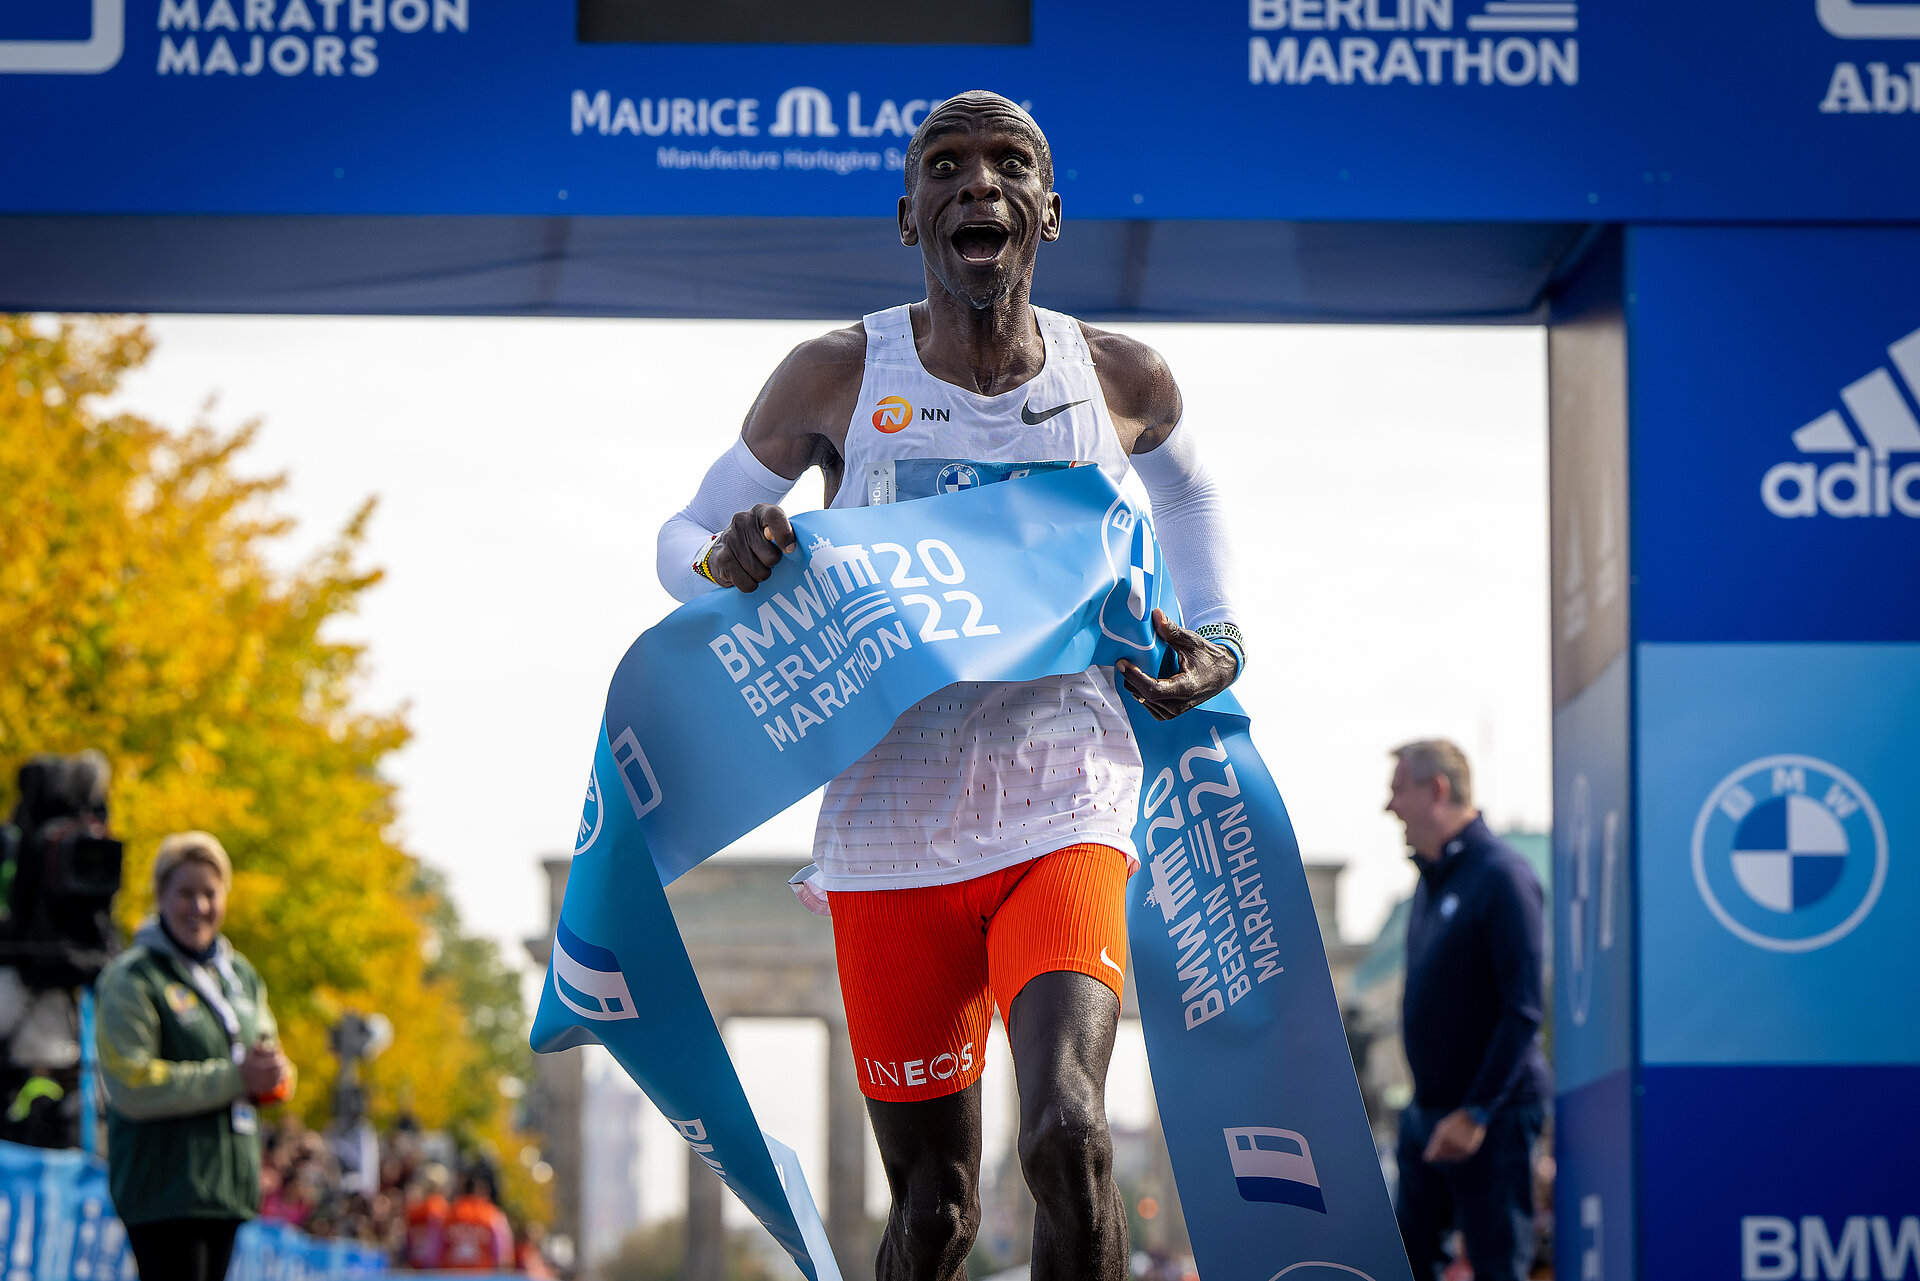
column 944, row 166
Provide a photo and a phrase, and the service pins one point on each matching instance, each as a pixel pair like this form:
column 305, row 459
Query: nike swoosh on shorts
column 1032, row 419
column 1108, row 962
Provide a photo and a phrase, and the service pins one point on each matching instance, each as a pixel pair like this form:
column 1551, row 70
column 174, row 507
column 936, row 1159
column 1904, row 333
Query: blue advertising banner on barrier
column 58, row 1220
column 789, row 684
column 57, row 1224
column 265, row 1251
column 1301, row 109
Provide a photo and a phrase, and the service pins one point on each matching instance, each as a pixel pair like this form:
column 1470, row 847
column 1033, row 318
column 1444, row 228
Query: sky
column 1386, row 503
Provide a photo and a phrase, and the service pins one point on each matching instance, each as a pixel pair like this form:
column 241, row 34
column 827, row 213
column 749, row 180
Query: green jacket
column 167, row 1061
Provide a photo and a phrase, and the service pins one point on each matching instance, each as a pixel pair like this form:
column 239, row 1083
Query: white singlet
column 981, row 775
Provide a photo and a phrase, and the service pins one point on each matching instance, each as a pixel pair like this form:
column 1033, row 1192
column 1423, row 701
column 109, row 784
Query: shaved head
column 961, row 110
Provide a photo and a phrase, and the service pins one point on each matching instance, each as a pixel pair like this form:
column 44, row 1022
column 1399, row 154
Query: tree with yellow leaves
column 140, row 615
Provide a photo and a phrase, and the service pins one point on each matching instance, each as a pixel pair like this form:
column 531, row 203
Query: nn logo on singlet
column 892, row 414
column 895, row 412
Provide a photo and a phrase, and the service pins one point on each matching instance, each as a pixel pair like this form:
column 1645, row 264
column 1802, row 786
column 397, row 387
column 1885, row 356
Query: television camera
column 59, row 870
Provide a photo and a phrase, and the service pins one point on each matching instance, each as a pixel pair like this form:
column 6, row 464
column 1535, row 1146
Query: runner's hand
column 751, row 546
column 1202, row 670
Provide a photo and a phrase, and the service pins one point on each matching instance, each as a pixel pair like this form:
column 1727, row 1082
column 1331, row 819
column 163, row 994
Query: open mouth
column 979, row 241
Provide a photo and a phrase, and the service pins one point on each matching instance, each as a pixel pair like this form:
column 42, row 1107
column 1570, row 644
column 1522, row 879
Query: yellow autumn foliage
column 139, row 614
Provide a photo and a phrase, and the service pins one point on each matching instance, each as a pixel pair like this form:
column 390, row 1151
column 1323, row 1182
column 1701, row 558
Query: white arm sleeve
column 1192, row 528
column 733, row 484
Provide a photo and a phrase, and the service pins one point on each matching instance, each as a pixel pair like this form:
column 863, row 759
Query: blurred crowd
column 413, row 1201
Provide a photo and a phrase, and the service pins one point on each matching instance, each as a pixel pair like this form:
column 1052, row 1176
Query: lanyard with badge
column 219, row 987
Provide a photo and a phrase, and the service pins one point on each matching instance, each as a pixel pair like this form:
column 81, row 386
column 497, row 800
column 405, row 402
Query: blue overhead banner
column 789, row 684
column 1293, row 109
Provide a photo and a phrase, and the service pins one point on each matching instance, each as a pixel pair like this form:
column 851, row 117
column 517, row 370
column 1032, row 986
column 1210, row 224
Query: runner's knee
column 1067, row 1148
column 938, row 1227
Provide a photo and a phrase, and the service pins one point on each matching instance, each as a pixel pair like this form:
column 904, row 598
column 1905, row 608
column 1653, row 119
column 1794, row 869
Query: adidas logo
column 1866, row 482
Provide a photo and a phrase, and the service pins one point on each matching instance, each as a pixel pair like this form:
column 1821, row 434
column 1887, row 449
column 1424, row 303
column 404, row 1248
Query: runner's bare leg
column 1062, row 1039
column 931, row 1154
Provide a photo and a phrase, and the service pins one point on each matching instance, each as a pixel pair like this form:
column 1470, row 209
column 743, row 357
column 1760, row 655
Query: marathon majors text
column 292, row 37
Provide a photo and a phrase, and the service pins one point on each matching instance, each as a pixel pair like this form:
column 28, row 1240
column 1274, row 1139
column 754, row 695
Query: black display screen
column 923, row 22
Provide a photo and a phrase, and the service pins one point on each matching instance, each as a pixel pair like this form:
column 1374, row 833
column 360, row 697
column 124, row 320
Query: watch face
column 904, row 22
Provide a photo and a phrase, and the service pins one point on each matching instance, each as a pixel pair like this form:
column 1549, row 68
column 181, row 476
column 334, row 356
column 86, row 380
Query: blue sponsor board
column 1593, row 1209
column 57, row 1223
column 1780, row 1173
column 1310, row 109
column 1776, row 458
column 1592, row 883
column 1779, row 822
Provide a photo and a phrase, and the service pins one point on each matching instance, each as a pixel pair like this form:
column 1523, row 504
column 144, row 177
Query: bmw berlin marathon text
column 1383, row 42
column 1204, row 869
column 839, row 625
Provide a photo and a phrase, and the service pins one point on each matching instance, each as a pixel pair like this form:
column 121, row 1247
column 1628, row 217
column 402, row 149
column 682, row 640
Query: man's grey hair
column 1430, row 758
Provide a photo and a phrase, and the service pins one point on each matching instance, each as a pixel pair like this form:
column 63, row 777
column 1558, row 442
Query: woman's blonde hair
column 190, row 847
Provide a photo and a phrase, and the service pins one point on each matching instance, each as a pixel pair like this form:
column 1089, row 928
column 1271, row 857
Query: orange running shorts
column 921, row 969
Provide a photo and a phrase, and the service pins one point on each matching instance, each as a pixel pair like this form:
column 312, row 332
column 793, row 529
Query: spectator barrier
column 57, row 1223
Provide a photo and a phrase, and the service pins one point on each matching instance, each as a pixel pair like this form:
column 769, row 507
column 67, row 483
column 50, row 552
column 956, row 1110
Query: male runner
column 979, row 853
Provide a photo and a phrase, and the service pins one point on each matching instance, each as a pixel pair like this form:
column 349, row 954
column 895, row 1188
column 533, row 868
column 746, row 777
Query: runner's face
column 980, row 206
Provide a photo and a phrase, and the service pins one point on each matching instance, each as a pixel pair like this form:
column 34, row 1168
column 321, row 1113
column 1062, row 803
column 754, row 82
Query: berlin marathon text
column 801, row 660
column 1417, row 60
column 1207, row 884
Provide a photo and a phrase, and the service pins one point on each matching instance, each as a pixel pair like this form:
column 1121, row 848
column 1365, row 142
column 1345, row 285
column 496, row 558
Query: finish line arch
column 1711, row 206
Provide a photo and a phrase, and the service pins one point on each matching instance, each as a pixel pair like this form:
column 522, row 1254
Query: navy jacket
column 1471, row 1015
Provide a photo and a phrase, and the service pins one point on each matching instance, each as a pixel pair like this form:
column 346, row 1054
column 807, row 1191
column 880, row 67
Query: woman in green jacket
column 187, row 1050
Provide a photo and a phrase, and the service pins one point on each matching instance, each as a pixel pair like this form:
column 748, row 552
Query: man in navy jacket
column 1470, row 1022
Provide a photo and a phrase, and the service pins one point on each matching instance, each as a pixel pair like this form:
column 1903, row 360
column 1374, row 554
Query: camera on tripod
column 61, row 870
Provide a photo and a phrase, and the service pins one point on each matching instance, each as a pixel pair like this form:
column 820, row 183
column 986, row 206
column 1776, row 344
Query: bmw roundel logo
column 1789, row 853
column 592, row 815
column 1127, row 613
column 955, row 477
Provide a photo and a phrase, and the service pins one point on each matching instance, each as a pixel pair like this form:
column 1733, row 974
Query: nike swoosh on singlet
column 1032, row 419
column 1108, row 960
